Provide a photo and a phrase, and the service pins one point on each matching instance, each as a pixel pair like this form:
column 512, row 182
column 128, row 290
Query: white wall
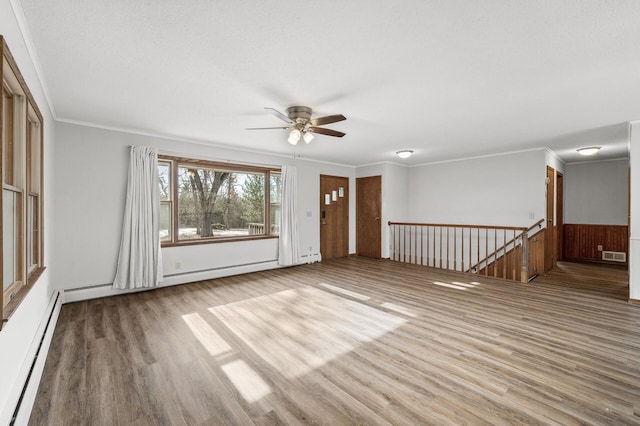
column 553, row 161
column 20, row 336
column 396, row 199
column 91, row 176
column 596, row 192
column 506, row 190
column 634, row 231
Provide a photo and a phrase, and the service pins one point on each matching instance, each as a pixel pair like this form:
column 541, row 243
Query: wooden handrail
column 538, row 223
column 449, row 225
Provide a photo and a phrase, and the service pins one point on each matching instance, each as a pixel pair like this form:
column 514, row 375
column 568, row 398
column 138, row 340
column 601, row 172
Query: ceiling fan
column 302, row 125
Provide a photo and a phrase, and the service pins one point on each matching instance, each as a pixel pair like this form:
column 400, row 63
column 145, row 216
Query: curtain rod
column 205, row 157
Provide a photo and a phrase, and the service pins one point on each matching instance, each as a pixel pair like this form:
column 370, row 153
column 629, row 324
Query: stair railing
column 495, row 251
column 495, row 255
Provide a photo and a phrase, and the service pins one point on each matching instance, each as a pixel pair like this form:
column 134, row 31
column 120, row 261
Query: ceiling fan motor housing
column 299, row 112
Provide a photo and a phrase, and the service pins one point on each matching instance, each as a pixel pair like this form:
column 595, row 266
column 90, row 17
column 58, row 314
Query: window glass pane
column 165, row 221
column 164, row 180
column 219, row 203
column 8, row 251
column 34, row 167
column 8, row 137
column 275, row 189
column 12, row 247
column 253, row 202
column 33, row 153
column 33, row 240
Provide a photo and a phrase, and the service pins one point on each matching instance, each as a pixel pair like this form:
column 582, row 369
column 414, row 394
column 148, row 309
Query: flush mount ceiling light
column 404, row 153
column 590, row 150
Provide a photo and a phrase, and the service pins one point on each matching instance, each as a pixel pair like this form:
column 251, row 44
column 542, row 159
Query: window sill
column 12, row 306
column 217, row 240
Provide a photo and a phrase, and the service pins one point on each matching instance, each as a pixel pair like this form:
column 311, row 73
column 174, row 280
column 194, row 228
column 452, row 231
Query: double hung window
column 21, row 201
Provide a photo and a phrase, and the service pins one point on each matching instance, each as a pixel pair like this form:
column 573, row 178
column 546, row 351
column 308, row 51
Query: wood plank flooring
column 351, row 341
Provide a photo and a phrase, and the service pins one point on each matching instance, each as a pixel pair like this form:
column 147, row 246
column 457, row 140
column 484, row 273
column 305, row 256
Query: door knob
column 324, row 223
column 377, row 218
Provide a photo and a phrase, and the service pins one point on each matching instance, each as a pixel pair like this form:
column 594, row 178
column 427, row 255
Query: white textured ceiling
column 449, row 79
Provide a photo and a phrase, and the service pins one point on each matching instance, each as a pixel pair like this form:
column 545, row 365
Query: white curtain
column 140, row 261
column 289, row 241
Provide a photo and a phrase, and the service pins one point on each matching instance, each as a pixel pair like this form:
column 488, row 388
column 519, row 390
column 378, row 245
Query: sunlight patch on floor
column 206, row 335
column 345, row 292
column 249, row 383
column 457, row 284
column 399, row 309
column 468, row 285
column 299, row 330
column 450, row 285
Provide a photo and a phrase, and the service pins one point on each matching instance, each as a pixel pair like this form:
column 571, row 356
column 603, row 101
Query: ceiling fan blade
column 327, row 132
column 280, row 115
column 327, row 120
column 265, row 128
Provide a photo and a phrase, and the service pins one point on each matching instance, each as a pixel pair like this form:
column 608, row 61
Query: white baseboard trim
column 34, row 364
column 633, row 260
column 105, row 290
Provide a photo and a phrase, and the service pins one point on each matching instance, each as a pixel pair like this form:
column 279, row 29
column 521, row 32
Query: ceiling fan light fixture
column 590, row 150
column 294, row 136
column 300, row 125
column 404, row 153
column 307, row 136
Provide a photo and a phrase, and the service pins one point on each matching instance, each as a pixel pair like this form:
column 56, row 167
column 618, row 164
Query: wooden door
column 550, row 239
column 369, row 216
column 559, row 216
column 334, row 216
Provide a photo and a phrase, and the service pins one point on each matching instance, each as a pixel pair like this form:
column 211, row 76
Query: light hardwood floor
column 351, row 341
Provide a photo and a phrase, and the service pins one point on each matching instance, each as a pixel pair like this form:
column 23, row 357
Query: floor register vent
column 614, row 256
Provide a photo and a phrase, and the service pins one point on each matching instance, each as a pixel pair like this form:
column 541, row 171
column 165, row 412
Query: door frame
column 559, row 216
column 550, row 248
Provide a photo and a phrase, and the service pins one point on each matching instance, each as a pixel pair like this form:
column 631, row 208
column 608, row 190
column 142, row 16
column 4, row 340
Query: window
column 21, row 201
column 203, row 201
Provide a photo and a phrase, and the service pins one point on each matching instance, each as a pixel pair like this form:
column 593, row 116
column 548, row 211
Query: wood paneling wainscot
column 581, row 241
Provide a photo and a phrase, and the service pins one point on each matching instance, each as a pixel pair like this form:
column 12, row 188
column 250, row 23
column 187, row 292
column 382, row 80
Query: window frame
column 176, row 162
column 169, row 202
column 27, row 184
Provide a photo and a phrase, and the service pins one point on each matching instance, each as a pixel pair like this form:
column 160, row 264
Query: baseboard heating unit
column 24, row 404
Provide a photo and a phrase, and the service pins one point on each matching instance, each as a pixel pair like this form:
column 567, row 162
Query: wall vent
column 614, row 256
